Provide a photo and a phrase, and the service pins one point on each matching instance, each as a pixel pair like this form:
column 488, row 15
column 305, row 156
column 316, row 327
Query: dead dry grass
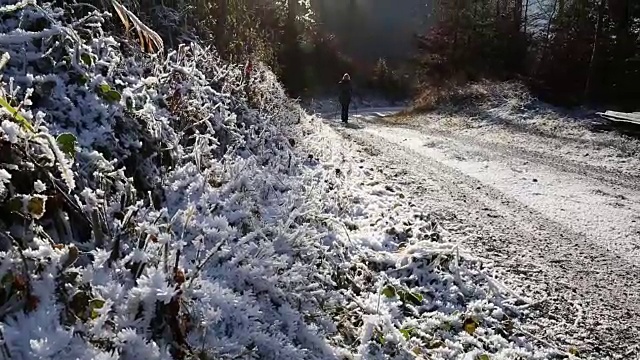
column 459, row 97
column 402, row 118
column 432, row 98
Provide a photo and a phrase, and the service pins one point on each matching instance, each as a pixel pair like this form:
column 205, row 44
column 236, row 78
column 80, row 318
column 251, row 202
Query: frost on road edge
column 413, row 292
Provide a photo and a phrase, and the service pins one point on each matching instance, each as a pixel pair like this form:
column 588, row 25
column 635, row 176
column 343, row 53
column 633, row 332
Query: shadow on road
column 339, row 124
column 596, row 125
column 353, row 126
column 360, row 118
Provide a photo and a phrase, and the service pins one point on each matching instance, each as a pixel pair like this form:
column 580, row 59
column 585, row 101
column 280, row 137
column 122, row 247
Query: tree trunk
column 595, row 55
column 456, row 27
column 292, row 62
column 623, row 46
column 221, row 26
column 561, row 8
column 517, row 16
column 526, row 12
column 545, row 46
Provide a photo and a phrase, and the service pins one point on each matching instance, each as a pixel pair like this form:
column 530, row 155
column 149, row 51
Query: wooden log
column 631, row 118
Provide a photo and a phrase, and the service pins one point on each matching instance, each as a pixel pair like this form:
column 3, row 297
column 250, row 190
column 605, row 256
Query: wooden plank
column 631, row 118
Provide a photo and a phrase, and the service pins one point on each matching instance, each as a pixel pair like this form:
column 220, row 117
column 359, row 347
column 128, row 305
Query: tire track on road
column 505, row 151
column 569, row 269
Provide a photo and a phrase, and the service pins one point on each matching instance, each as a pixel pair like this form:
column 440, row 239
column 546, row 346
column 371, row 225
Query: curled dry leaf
column 19, row 282
column 32, row 302
column 147, row 36
column 470, row 326
column 71, row 257
column 35, row 206
column 179, row 276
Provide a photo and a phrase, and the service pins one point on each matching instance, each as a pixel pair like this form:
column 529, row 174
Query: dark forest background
column 568, row 52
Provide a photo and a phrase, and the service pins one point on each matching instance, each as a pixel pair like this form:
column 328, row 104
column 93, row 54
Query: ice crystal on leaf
column 11, row 131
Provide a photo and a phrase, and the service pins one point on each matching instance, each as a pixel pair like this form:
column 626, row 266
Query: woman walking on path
column 346, row 91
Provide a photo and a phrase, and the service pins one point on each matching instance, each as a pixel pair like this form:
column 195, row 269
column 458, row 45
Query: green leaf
column 67, row 143
column 415, row 298
column 97, row 303
column 410, row 297
column 470, row 326
column 104, row 88
column 35, row 206
column 94, row 314
column 389, row 291
column 108, row 94
column 406, row 333
column 79, row 303
column 7, row 278
column 14, row 204
column 87, row 59
column 16, row 115
column 483, row 357
column 112, row 96
column 71, row 257
column 83, row 80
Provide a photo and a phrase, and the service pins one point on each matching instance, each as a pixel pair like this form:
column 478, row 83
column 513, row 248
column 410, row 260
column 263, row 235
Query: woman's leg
column 345, row 111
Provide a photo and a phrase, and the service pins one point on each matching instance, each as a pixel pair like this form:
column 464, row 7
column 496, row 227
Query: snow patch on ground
column 577, row 137
column 606, row 214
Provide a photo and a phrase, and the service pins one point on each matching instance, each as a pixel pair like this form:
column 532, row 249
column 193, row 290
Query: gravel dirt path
column 566, row 232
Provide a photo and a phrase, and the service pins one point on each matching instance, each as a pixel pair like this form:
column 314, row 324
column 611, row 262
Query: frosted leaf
column 39, row 186
column 5, row 177
column 11, row 131
column 136, row 346
column 44, row 347
column 164, row 238
column 100, row 257
column 211, row 316
column 34, row 205
column 89, row 198
column 155, row 284
column 198, row 243
column 179, row 245
column 138, row 255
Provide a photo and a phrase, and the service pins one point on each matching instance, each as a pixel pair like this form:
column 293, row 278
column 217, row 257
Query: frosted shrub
column 150, row 212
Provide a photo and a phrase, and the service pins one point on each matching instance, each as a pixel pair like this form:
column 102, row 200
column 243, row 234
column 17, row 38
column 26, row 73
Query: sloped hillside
column 175, row 207
column 128, row 180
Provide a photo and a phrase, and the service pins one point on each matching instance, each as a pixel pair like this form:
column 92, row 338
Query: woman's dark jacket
column 345, row 91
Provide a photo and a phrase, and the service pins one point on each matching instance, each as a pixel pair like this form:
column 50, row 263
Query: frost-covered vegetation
column 176, row 206
column 161, row 177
